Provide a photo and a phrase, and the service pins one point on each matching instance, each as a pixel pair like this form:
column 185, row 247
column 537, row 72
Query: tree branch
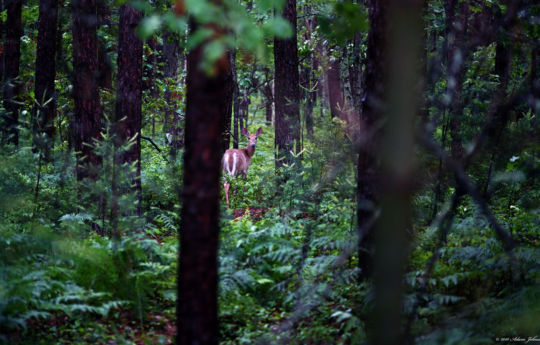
column 463, row 180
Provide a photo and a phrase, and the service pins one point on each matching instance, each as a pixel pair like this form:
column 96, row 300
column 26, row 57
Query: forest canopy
column 269, row 172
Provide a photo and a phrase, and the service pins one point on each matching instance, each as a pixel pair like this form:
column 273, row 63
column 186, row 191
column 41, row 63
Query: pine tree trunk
column 87, row 115
column 105, row 64
column 129, row 93
column 45, row 110
column 355, row 72
column 12, row 57
column 171, row 51
column 228, row 106
column 457, row 55
column 268, row 96
column 197, row 321
column 287, row 91
column 334, row 89
column 236, row 102
column 401, row 107
column 2, row 52
column 372, row 111
column 307, row 72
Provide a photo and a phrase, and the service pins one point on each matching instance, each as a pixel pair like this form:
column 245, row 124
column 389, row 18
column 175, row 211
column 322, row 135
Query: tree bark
column 402, row 101
column 171, row 55
column 228, row 106
column 307, row 71
column 105, row 65
column 88, row 111
column 2, row 52
column 268, row 95
column 197, row 321
column 457, row 55
column 45, row 110
column 12, row 57
column 335, row 91
column 129, row 93
column 287, row 91
column 355, row 72
column 236, row 101
column 372, row 111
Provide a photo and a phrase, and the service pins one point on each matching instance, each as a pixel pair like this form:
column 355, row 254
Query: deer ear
column 259, row 131
column 245, row 131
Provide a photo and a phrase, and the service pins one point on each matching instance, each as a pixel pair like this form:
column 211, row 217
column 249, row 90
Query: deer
column 236, row 161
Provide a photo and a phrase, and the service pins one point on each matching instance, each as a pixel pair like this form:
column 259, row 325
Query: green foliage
column 340, row 20
column 288, row 263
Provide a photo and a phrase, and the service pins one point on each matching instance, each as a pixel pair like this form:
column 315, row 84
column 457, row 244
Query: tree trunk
column 268, row 96
column 402, row 100
column 368, row 170
column 45, row 109
column 87, row 114
column 105, row 65
column 150, row 67
column 307, row 71
column 171, row 54
column 244, row 109
column 228, row 106
column 457, row 55
column 12, row 57
column 129, row 93
column 355, row 72
column 197, row 321
column 323, row 78
column 335, row 91
column 287, row 91
column 236, row 101
column 2, row 52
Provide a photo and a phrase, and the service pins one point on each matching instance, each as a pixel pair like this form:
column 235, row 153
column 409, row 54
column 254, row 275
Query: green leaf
column 175, row 23
column 267, row 5
column 143, row 6
column 278, row 27
column 262, row 281
column 211, row 53
column 148, row 26
column 198, row 37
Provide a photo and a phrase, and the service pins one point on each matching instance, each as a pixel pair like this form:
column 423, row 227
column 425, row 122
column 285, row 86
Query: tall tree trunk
column 268, row 96
column 287, row 90
column 105, row 64
column 228, row 105
column 244, row 109
column 2, row 52
column 372, row 110
column 45, row 109
column 236, row 101
column 12, row 59
column 129, row 93
column 402, row 100
column 457, row 55
column 455, row 58
column 197, row 321
column 334, row 88
column 150, row 67
column 88, row 111
column 171, row 51
column 355, row 72
column 307, row 71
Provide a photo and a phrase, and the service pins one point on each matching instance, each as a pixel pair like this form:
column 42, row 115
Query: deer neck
column 249, row 151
